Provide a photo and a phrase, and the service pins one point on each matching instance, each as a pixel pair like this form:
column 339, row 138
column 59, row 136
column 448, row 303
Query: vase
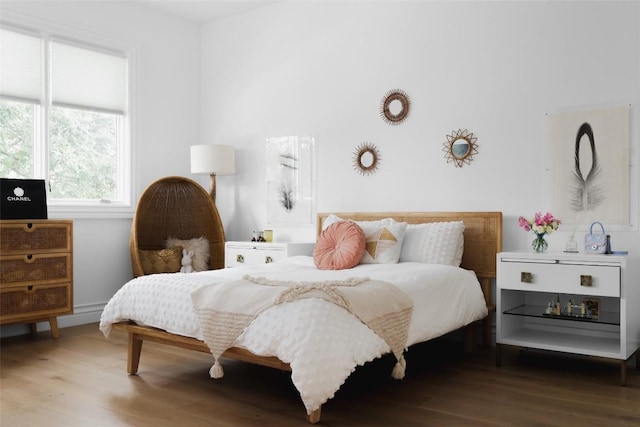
column 539, row 244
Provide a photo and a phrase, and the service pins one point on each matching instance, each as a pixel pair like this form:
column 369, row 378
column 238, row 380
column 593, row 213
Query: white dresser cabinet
column 607, row 325
column 255, row 253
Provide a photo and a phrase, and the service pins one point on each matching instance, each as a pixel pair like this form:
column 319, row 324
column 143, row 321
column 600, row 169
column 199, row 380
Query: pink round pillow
column 340, row 245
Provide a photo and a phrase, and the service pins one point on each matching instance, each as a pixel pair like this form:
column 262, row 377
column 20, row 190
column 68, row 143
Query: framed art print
column 290, row 181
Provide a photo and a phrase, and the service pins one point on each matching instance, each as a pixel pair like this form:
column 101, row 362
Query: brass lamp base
column 212, row 191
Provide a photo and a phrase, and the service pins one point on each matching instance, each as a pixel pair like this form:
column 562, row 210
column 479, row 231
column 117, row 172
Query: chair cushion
column 161, row 261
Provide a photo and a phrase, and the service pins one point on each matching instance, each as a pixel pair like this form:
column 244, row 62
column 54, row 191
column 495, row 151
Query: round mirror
column 394, row 107
column 366, row 158
column 460, row 147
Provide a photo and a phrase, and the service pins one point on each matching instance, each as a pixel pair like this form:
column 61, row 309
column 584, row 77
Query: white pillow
column 383, row 239
column 434, row 243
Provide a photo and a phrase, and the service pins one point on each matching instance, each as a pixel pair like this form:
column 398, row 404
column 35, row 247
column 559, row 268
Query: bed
column 318, row 341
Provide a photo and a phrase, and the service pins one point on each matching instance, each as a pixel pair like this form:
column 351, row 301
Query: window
column 64, row 118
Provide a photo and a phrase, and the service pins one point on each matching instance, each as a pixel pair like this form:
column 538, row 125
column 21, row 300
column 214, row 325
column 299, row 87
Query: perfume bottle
column 558, row 310
column 572, row 246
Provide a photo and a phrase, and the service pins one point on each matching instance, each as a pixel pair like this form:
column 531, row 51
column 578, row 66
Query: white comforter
column 322, row 342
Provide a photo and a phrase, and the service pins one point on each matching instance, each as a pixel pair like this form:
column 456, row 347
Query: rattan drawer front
column 27, row 269
column 29, row 302
column 41, row 236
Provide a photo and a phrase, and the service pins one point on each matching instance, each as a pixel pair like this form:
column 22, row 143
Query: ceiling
column 203, row 11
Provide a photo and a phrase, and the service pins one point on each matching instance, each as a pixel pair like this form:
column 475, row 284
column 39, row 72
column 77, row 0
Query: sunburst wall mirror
column 460, row 147
column 366, row 158
column 394, row 106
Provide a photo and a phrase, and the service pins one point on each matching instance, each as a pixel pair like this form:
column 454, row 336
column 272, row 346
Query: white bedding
column 323, row 343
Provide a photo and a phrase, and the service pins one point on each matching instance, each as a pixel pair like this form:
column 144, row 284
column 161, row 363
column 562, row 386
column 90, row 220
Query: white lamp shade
column 218, row 159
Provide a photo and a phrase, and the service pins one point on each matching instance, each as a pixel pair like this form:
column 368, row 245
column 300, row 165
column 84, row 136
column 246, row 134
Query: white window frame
column 51, row 31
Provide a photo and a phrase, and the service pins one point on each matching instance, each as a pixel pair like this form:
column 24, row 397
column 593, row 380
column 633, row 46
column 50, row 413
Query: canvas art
column 588, row 163
column 290, row 181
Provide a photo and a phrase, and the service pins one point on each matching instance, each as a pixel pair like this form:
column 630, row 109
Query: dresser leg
column 623, row 373
column 53, row 322
column 498, row 355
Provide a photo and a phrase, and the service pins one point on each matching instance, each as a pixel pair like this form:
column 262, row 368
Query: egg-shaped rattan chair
column 176, row 207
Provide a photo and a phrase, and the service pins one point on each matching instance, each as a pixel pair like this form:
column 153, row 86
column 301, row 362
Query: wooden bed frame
column 482, row 241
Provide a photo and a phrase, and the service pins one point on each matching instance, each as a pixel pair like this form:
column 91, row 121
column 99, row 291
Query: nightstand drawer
column 27, row 269
column 257, row 253
column 253, row 255
column 597, row 280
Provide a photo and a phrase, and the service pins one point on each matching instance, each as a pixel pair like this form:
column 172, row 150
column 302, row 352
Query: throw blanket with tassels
column 226, row 310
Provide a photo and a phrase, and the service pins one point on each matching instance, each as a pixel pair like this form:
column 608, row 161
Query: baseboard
column 82, row 315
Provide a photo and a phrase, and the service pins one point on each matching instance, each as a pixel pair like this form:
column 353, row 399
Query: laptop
column 23, row 199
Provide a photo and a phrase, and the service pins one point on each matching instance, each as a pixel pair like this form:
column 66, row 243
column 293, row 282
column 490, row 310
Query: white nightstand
column 526, row 282
column 254, row 253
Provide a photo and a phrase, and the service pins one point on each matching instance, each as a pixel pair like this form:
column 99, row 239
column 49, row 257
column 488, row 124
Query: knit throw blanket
column 225, row 310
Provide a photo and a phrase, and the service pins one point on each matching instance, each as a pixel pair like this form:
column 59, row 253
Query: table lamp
column 213, row 160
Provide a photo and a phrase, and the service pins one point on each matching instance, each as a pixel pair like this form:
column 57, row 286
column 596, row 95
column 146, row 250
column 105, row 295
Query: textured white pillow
column 330, row 220
column 383, row 239
column 434, row 243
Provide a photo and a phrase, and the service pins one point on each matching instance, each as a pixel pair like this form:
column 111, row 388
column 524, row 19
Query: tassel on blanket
column 216, row 371
column 398, row 370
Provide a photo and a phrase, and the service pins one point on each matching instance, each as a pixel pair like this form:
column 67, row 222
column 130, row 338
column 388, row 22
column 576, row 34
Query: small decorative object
column 592, row 306
column 394, row 107
column 460, row 147
column 268, row 236
column 549, row 309
column 186, row 262
column 594, row 242
column 366, row 158
column 572, row 245
column 541, row 225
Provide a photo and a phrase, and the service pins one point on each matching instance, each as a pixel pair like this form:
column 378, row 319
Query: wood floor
column 80, row 379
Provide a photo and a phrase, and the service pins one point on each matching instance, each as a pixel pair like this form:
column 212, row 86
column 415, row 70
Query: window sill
column 90, row 212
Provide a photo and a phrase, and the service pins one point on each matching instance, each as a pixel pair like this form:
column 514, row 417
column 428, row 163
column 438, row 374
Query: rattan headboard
column 482, row 233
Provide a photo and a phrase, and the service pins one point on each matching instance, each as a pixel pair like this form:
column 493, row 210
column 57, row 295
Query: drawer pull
column 526, row 277
column 586, row 280
column 268, row 259
column 240, row 258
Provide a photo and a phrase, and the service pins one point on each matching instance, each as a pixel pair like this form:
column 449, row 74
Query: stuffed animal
column 186, row 262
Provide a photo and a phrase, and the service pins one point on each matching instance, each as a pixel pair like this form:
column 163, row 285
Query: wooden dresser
column 36, row 271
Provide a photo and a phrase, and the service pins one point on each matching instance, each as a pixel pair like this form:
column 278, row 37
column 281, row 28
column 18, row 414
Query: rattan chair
column 178, row 207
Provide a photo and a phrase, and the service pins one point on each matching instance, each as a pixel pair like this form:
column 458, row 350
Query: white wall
column 321, row 68
column 494, row 68
column 166, row 119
